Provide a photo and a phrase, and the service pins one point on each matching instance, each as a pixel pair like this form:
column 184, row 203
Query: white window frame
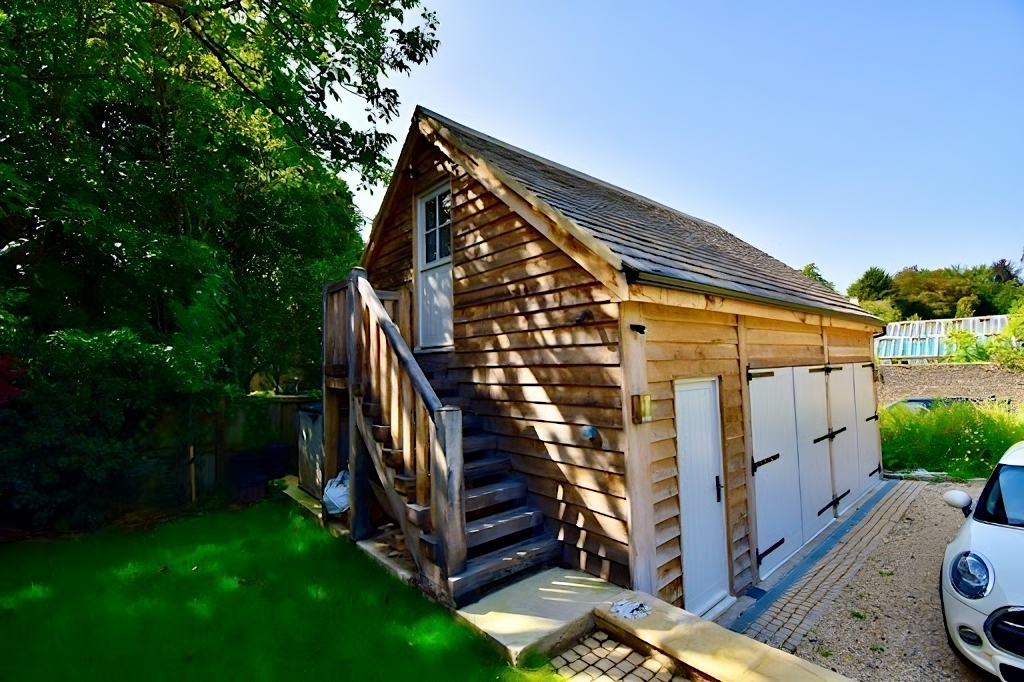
column 421, row 254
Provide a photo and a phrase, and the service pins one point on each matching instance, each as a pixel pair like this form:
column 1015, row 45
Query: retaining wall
column 972, row 380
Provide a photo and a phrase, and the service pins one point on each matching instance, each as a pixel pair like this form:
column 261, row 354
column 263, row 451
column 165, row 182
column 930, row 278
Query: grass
column 257, row 594
column 962, row 439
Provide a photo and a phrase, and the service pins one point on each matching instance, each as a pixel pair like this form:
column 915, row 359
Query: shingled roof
column 656, row 244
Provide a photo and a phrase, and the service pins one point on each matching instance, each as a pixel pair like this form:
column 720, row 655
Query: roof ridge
column 562, row 167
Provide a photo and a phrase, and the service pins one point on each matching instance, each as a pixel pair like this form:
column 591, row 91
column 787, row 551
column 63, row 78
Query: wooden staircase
column 435, row 469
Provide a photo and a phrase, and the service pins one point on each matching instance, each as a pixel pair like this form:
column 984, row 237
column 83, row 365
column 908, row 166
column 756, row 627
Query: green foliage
column 170, row 205
column 964, row 346
column 883, row 310
column 1007, row 349
column 962, row 439
column 874, row 285
column 955, row 291
column 811, row 270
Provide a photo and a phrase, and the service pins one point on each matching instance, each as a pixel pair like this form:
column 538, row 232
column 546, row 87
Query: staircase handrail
column 444, row 432
column 394, row 336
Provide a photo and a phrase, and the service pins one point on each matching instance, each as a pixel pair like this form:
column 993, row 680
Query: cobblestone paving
column 791, row 617
column 599, row 658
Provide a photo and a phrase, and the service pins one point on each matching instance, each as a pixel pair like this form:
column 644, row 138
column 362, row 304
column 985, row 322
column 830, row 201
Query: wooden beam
column 639, row 486
column 592, row 255
column 748, row 448
column 697, row 301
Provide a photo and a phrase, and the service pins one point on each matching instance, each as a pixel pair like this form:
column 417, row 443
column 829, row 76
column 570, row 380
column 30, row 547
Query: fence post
column 446, row 468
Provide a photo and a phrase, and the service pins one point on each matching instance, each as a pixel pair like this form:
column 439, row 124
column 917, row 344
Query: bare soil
column 887, row 623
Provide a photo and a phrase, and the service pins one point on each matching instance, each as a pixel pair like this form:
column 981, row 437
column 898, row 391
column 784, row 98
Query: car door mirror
column 960, row 500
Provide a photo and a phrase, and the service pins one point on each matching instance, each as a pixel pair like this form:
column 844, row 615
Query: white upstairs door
column 701, row 495
column 812, row 442
column 434, row 268
column 867, row 423
column 776, row 467
column 842, row 407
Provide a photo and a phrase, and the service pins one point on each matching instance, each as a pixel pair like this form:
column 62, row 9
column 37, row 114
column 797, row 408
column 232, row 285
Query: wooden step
column 405, row 484
column 499, row 525
column 490, row 465
column 488, row 568
column 381, row 433
column 371, row 409
column 479, row 443
column 470, row 423
column 508, row 490
column 393, row 457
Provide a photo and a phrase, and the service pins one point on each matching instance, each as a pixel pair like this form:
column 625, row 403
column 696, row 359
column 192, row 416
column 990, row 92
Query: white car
column 982, row 586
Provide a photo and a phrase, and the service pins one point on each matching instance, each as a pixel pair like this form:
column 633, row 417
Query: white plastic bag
column 336, row 494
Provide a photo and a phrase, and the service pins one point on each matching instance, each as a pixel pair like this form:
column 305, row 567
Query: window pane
column 431, row 213
column 444, row 206
column 431, row 246
column 446, row 241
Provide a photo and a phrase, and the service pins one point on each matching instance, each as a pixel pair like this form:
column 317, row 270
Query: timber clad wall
column 683, row 343
column 536, row 353
column 538, row 356
column 690, row 344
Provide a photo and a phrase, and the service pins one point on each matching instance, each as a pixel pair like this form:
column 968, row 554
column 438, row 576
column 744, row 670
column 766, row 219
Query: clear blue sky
column 844, row 133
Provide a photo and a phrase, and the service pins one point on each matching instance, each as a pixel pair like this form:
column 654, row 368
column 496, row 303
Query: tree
column 874, row 285
column 811, row 271
column 170, row 205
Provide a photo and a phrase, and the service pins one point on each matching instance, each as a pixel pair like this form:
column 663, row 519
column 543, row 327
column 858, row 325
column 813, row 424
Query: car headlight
column 970, row 575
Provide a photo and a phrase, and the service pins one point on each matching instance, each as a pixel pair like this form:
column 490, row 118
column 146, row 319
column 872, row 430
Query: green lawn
column 257, row 594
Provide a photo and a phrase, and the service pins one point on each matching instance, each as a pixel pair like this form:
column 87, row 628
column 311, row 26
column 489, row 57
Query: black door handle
column 718, row 488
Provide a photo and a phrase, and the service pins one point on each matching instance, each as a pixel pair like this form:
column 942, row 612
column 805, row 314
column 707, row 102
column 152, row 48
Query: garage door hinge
column 833, row 503
column 758, row 375
column 767, row 460
column 876, row 471
column 872, row 418
column 827, row 369
column 829, row 436
column 762, row 555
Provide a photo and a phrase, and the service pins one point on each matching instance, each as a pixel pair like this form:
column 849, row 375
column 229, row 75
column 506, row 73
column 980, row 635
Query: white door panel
column 867, row 423
column 776, row 479
column 436, row 307
column 701, row 495
column 845, row 457
column 815, row 465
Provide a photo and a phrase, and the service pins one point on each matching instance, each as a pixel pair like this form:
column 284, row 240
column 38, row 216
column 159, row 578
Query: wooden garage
column 541, row 367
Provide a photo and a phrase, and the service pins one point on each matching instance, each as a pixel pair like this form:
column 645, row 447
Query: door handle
column 718, row 488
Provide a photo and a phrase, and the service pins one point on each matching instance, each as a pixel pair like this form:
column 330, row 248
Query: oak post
column 447, row 496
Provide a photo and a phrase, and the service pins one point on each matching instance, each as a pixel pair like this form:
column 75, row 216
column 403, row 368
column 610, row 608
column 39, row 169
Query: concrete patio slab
column 541, row 613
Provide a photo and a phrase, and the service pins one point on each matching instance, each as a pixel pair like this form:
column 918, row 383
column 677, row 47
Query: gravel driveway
column 887, row 624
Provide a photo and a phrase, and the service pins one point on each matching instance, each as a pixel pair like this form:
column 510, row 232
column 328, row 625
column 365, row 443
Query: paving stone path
column 791, row 617
column 599, row 658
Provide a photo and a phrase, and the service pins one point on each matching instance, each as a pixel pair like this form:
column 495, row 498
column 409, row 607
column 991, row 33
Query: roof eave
column 682, row 285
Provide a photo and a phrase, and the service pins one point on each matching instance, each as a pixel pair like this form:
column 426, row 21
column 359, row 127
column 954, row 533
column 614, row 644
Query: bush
column 964, row 440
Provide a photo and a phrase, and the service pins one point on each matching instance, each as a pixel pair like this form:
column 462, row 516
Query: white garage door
column 815, row 463
column 801, row 465
column 776, row 467
column 867, row 423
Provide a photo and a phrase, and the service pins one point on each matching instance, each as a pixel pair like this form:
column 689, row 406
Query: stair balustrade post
column 447, row 489
column 355, row 333
column 360, row 525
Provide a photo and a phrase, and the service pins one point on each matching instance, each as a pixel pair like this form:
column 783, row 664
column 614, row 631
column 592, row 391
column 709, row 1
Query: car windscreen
column 1003, row 498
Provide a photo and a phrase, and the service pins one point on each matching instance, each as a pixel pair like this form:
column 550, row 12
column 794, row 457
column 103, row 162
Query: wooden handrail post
column 446, row 468
column 355, row 335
